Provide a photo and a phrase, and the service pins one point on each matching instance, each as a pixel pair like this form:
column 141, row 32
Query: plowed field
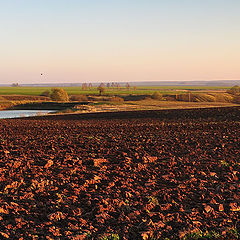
column 140, row 175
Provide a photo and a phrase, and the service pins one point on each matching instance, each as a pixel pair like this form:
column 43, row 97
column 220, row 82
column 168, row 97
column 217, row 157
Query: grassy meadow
column 143, row 90
column 132, row 98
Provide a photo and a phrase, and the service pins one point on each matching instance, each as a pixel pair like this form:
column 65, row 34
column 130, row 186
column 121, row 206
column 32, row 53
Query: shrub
column 157, row 96
column 147, row 98
column 235, row 90
column 79, row 98
column 116, row 99
column 45, row 93
column 59, row 94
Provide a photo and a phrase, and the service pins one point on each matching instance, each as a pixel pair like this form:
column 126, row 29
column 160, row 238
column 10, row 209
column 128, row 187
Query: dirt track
column 135, row 174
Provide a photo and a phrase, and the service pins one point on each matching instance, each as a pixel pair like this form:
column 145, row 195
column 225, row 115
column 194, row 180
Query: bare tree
column 84, row 86
column 101, row 90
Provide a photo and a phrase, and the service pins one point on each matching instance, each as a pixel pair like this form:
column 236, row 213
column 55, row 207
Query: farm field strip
column 136, row 174
column 112, row 91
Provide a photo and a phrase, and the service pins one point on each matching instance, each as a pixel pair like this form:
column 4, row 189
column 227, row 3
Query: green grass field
column 36, row 91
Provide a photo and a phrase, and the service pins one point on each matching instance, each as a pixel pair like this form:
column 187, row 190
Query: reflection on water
column 23, row 113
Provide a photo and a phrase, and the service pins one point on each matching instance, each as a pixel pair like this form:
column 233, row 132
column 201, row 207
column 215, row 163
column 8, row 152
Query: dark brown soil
column 135, row 174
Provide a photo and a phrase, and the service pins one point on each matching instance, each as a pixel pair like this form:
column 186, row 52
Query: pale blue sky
column 134, row 40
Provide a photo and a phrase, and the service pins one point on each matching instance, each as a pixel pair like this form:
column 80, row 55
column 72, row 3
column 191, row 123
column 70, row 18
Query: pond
column 23, row 113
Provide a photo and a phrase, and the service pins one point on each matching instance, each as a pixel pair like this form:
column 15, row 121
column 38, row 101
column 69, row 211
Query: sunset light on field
column 120, row 119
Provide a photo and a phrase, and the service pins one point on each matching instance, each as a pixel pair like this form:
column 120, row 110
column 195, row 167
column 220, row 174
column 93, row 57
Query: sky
column 111, row 40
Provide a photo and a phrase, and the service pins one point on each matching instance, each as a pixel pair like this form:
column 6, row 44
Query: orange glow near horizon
column 137, row 41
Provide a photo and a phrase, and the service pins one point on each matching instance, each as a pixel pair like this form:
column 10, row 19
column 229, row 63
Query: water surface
column 23, row 113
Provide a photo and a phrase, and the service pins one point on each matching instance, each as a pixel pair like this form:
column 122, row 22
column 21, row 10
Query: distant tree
column 45, row 93
column 101, row 90
column 15, row 85
column 84, row 86
column 90, row 86
column 108, row 85
column 235, row 90
column 128, row 86
column 59, row 94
